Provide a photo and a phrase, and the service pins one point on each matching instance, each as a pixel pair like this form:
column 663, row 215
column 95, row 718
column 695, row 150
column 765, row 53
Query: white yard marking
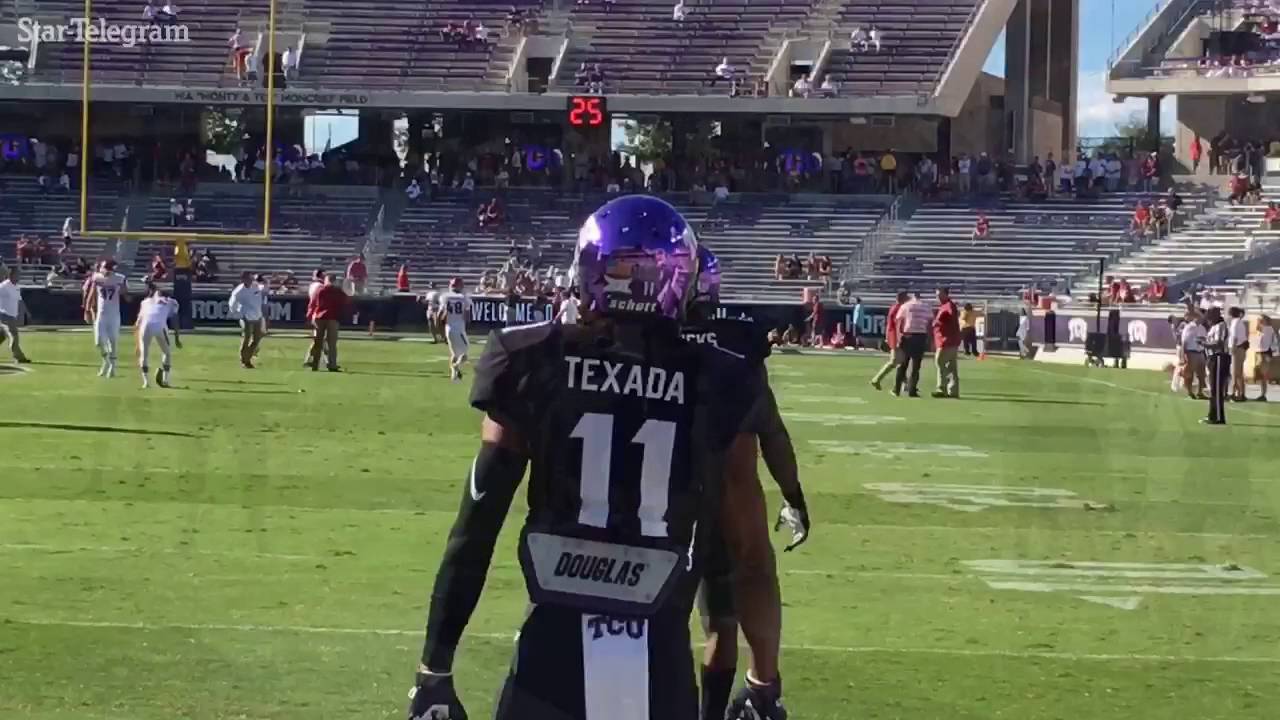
column 975, row 498
column 1120, row 603
column 882, row 448
column 836, row 420
column 1142, row 391
column 1112, row 583
column 38, row 547
column 826, row 399
column 855, row 649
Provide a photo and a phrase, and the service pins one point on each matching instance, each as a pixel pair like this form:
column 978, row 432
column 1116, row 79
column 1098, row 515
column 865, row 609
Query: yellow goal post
column 86, row 84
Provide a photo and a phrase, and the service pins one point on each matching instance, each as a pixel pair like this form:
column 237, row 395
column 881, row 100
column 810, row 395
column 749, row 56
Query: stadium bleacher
column 441, row 239
column 1029, row 243
column 642, row 50
column 1219, row 234
column 27, row 210
column 320, row 229
column 918, row 39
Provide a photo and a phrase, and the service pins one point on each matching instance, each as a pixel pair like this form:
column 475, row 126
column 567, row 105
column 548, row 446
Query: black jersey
column 625, row 455
column 743, row 338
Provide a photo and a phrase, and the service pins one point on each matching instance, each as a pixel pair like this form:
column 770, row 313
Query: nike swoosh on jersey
column 476, row 495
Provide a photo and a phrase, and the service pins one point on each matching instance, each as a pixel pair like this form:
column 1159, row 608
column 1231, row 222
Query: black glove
column 796, row 519
column 757, row 702
column 433, row 698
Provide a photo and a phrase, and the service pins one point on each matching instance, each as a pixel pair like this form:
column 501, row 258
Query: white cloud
column 1098, row 113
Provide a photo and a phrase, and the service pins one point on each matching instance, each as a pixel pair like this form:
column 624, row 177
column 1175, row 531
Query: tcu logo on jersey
column 601, row 625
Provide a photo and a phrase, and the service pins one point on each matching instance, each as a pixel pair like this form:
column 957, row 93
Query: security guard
column 1215, row 345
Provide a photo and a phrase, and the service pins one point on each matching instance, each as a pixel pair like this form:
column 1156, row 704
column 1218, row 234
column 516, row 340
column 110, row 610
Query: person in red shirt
column 891, row 339
column 946, row 344
column 326, row 309
column 1271, row 216
column 982, row 228
column 402, row 278
column 1197, row 152
column 1141, row 219
column 357, row 274
column 158, row 269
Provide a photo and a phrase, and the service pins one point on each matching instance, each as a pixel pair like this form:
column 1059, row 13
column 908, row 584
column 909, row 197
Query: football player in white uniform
column 103, row 294
column 455, row 306
column 153, row 323
column 432, row 301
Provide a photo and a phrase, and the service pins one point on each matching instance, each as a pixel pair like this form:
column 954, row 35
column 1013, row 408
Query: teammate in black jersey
column 719, row 621
column 639, row 448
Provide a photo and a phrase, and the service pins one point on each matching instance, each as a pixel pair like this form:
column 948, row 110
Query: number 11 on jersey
column 658, row 437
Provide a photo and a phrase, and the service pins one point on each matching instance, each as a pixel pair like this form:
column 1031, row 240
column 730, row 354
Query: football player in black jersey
column 742, row 337
column 639, row 446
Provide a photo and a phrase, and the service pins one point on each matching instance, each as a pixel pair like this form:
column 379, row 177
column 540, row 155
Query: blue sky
column 1104, row 24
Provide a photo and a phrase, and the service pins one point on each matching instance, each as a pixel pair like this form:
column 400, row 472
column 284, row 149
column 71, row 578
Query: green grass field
column 261, row 544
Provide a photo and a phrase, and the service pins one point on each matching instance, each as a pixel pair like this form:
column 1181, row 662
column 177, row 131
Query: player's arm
column 755, row 577
column 780, row 457
column 495, row 474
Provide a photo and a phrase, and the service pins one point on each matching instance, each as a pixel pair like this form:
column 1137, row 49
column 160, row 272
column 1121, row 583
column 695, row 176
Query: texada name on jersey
column 596, row 375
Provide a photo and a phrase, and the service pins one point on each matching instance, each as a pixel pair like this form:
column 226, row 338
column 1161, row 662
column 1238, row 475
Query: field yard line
column 860, row 649
column 1062, row 376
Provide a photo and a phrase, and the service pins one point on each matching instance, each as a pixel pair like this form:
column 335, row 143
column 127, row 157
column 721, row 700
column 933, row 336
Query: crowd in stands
column 1228, row 155
column 815, row 267
column 1261, row 57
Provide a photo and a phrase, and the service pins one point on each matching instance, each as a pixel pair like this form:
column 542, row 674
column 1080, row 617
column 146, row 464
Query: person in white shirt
column 568, row 314
column 725, row 71
column 827, row 88
column 858, row 40
column 679, row 13
column 914, row 322
column 103, row 293
column 721, row 192
column 154, row 315
column 1238, row 346
column 456, row 307
column 802, row 87
column 66, row 228
column 1097, row 172
column 874, row 35
column 1267, row 347
column 1114, row 170
column 64, row 182
column 246, row 303
column 168, row 13
column 481, row 33
column 434, row 323
column 286, row 63
column 469, row 183
column 1193, row 359
column 414, row 191
column 1023, row 334
column 12, row 312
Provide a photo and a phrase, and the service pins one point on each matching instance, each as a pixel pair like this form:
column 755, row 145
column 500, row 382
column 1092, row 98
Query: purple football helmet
column 636, row 256
column 708, row 276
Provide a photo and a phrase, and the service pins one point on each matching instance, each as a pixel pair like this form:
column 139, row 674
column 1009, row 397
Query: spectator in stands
column 23, row 249
column 985, row 171
column 1156, row 290
column 858, row 40
column 64, row 182
column 44, row 253
column 1150, row 173
column 802, row 87
column 1097, row 172
column 1239, row 189
column 175, row 212
column 875, row 36
column 779, row 267
column 489, row 215
column 827, row 88
column 149, row 13
column 678, row 12
column 288, row 59
column 981, row 229
column 1271, row 216
column 964, row 168
column 595, row 79
column 414, row 191
column 1115, row 171
column 239, row 53
column 480, row 35
column 926, row 176
column 158, row 268
column 207, row 267
column 1142, row 220
column 889, row 166
column 722, row 191
column 823, row 263
column 1050, row 175
column 1197, row 152
column 725, row 71
column 469, row 183
column 66, row 230
column 357, row 274
column 168, row 13
column 402, row 277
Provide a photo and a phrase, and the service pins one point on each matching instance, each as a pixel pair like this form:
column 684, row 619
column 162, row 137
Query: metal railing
column 1193, row 7
column 862, row 258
